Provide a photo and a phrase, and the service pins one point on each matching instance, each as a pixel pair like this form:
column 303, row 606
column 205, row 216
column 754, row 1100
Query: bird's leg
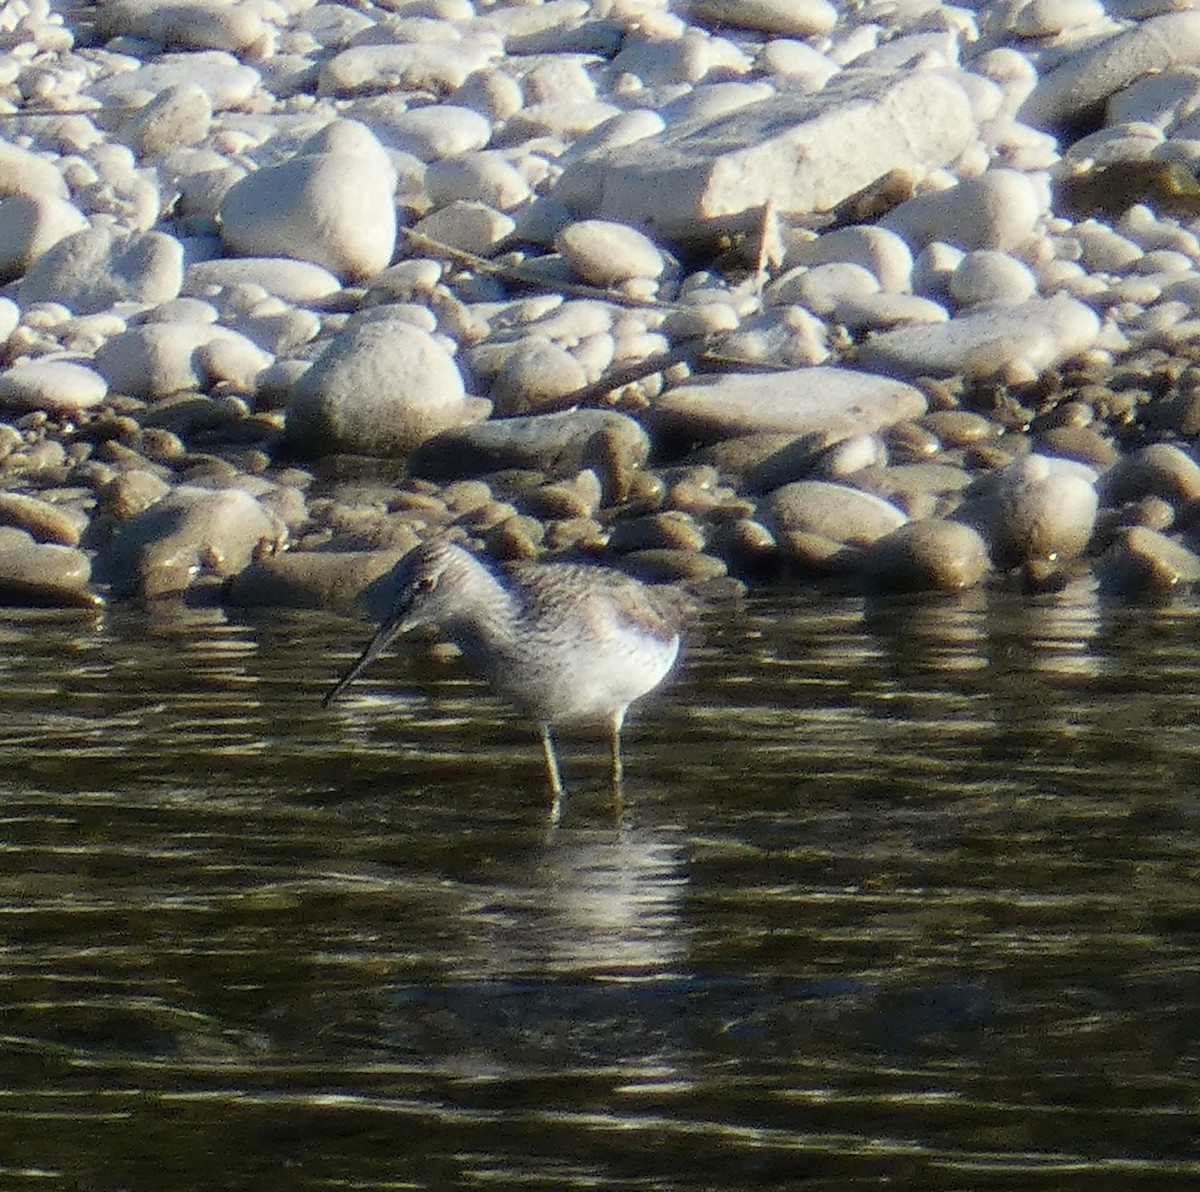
column 618, row 769
column 556, row 786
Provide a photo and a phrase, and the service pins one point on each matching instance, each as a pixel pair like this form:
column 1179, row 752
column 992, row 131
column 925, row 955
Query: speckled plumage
column 565, row 643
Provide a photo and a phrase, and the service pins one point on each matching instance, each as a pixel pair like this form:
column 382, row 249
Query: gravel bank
column 905, row 296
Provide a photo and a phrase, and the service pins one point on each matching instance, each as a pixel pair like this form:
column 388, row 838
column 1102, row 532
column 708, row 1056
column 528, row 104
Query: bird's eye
column 426, row 583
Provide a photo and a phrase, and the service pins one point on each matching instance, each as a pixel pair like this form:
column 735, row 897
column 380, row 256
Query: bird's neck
column 485, row 613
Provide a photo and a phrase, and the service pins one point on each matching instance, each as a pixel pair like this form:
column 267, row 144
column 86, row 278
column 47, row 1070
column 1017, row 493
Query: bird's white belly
column 583, row 683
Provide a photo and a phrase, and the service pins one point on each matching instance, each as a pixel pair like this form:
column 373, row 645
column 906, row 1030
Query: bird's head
column 421, row 598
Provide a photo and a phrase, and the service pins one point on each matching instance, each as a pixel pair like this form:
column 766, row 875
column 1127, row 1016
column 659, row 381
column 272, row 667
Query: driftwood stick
column 527, row 277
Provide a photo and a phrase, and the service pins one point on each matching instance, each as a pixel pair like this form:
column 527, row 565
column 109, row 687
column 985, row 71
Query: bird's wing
column 556, row 592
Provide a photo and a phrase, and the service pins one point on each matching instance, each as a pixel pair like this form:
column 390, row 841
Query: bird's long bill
column 388, row 631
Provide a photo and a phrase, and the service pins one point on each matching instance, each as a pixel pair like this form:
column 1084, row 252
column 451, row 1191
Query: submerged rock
column 190, row 532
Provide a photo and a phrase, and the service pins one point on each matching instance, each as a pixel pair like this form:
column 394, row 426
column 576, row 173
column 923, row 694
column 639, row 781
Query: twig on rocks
column 688, row 352
column 529, row 277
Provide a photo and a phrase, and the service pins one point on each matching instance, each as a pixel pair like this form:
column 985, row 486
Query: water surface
column 905, row 894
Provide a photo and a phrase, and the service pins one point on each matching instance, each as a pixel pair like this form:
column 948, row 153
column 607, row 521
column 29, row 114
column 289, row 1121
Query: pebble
column 822, row 289
column 57, row 386
column 925, row 555
column 1158, row 470
column 606, row 253
column 30, row 225
column 131, row 492
column 986, row 275
column 44, row 521
column 535, row 376
column 467, row 225
column 1085, row 80
column 783, row 18
column 299, row 282
column 431, row 132
column 998, row 210
column 200, row 261
column 177, row 116
column 885, row 255
column 154, row 360
column 436, row 66
column 484, row 177
column 227, row 82
column 45, row 575
column 1037, row 510
column 183, row 25
column 670, row 530
column 834, row 511
column 666, row 565
column 1144, row 562
column 26, row 173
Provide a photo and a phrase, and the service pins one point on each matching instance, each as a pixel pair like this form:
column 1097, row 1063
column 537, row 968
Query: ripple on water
column 907, row 895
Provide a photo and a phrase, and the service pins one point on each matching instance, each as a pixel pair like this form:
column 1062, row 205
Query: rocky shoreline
column 904, row 295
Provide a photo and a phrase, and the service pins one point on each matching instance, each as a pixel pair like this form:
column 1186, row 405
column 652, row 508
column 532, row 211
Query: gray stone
column 998, row 210
column 226, row 82
column 670, row 530
column 300, row 282
column 558, row 444
column 59, row 386
column 45, row 521
column 783, row 18
column 132, row 492
column 182, row 24
column 536, row 375
column 379, row 389
column 45, row 576
column 1081, row 84
column 833, row 511
column 157, row 359
column 664, row 565
column 606, row 253
column 190, row 532
column 876, row 249
column 176, row 117
column 437, row 130
column 331, row 204
column 467, row 226
column 1158, row 470
column 1035, row 510
column 26, row 173
column 436, row 66
column 95, row 268
column 1144, row 562
column 342, row 580
column 30, row 225
column 927, row 555
column 805, row 152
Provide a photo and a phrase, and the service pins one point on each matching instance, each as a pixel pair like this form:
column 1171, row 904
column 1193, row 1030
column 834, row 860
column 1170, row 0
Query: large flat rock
column 830, row 404
column 806, row 152
column 1022, row 339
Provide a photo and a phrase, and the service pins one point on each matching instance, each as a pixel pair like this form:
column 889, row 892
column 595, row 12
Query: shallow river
column 906, row 895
